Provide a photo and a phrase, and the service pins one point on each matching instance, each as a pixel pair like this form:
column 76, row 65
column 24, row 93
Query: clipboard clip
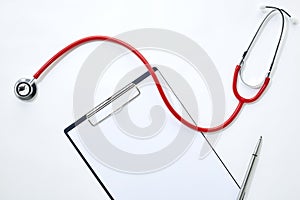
column 120, row 93
column 111, row 99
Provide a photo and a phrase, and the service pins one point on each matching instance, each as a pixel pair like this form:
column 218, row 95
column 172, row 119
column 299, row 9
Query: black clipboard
column 187, row 177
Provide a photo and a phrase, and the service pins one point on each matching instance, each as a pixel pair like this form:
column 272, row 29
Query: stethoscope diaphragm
column 25, row 89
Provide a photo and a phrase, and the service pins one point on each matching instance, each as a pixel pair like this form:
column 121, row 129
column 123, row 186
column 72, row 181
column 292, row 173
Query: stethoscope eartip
column 263, row 8
column 294, row 21
column 25, row 89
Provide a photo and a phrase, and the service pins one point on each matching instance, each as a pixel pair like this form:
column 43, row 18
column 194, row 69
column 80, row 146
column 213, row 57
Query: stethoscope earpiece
column 25, row 89
column 263, row 8
column 294, row 21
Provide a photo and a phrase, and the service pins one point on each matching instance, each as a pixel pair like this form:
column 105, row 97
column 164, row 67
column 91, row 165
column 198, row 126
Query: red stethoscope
column 25, row 89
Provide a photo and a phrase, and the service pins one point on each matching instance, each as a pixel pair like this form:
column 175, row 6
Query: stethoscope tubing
column 241, row 100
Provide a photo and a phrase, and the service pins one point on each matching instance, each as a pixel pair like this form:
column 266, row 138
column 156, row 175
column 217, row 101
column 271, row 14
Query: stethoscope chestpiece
column 25, row 89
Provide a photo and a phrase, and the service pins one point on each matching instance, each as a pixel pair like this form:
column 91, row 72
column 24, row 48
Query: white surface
column 37, row 161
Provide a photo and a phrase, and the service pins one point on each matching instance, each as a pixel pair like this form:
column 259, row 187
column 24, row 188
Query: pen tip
column 257, row 147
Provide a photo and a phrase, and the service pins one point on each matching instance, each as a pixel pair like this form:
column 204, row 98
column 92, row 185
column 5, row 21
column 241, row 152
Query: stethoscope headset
column 25, row 89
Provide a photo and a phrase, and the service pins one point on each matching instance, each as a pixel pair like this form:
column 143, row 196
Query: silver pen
column 249, row 171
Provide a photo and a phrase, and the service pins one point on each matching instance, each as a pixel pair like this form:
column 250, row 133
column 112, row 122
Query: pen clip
column 249, row 171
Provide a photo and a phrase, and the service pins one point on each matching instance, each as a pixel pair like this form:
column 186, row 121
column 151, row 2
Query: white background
column 37, row 161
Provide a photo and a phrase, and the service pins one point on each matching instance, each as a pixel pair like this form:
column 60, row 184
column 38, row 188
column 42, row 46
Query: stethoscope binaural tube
column 245, row 54
column 25, row 89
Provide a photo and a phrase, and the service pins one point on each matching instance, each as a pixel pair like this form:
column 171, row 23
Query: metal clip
column 111, row 99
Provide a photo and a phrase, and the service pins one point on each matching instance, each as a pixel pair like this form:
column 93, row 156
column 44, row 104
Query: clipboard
column 175, row 172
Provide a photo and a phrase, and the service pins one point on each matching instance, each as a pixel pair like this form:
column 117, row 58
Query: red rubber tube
column 236, row 93
column 157, row 83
